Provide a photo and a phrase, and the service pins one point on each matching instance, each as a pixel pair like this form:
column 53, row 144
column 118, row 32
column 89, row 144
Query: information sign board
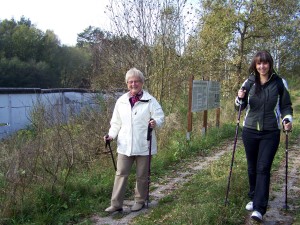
column 213, row 95
column 199, row 95
column 205, row 95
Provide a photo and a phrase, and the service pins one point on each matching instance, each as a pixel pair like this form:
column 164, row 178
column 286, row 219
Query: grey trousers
column 124, row 164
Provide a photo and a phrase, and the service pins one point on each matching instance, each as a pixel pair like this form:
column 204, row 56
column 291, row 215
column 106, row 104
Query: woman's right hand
column 241, row 93
column 107, row 138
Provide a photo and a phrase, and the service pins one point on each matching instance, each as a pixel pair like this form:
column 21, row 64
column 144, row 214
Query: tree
column 75, row 67
column 160, row 29
column 17, row 73
column 231, row 31
column 32, row 58
column 6, row 44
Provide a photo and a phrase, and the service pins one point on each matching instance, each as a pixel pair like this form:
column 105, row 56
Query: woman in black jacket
column 266, row 99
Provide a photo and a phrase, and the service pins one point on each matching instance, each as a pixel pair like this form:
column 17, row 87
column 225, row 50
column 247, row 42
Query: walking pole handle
column 243, row 89
column 149, row 131
column 285, row 121
column 107, row 141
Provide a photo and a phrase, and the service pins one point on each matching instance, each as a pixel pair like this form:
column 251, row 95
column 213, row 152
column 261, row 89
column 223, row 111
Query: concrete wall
column 16, row 105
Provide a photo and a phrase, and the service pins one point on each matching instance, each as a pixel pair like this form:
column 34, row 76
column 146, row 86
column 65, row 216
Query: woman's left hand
column 152, row 123
column 287, row 126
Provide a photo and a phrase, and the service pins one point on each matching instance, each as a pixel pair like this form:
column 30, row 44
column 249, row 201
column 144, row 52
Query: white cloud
column 66, row 18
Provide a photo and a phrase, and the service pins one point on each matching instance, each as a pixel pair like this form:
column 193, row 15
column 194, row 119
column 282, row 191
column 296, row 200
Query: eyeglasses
column 134, row 81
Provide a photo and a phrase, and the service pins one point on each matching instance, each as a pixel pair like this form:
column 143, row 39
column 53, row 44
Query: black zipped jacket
column 264, row 110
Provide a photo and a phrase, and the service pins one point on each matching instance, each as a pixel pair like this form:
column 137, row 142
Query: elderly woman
column 133, row 113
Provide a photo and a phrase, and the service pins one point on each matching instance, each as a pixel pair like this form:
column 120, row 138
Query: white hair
column 134, row 72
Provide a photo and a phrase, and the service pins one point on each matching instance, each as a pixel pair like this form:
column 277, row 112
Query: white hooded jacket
column 131, row 124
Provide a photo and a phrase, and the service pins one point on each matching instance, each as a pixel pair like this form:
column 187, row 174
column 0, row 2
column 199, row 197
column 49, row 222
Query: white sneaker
column 256, row 216
column 249, row 206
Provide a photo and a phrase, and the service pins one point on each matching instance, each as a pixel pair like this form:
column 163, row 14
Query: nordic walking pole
column 285, row 206
column 107, row 143
column 149, row 139
column 234, row 147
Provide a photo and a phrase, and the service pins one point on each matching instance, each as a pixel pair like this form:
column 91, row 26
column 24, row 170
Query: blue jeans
column 260, row 147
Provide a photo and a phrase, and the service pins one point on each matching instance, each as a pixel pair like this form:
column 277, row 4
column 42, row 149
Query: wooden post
column 204, row 128
column 218, row 113
column 190, row 115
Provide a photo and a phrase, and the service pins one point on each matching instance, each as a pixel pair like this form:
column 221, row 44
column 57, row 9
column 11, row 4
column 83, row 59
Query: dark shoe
column 256, row 216
column 112, row 209
column 137, row 207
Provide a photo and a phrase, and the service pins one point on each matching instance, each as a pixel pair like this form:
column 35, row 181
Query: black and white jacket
column 263, row 110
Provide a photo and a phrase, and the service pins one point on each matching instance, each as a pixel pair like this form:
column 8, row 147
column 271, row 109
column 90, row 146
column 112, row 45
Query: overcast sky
column 66, row 18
